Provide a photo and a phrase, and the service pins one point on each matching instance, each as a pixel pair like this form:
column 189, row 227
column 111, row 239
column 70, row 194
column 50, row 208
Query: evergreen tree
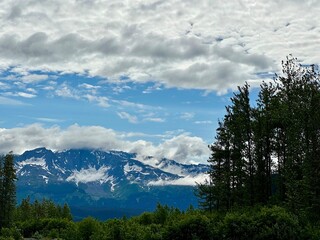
column 66, row 212
column 23, row 211
column 8, row 191
column 239, row 126
column 215, row 193
column 1, row 190
column 263, row 141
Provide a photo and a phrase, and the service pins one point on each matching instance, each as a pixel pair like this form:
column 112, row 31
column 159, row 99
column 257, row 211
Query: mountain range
column 106, row 184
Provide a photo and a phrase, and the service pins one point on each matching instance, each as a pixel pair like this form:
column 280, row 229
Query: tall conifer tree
column 8, row 191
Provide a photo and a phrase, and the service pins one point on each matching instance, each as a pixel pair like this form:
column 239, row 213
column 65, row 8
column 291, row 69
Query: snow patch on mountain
column 90, row 174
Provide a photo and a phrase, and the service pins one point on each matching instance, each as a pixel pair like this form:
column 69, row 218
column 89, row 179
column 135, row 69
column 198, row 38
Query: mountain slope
column 108, row 180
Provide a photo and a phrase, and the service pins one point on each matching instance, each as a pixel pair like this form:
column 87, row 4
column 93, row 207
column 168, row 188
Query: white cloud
column 19, row 94
column 101, row 101
column 212, row 45
column 139, row 106
column 26, row 95
column 203, row 122
column 184, row 181
column 85, row 92
column 10, row 101
column 66, row 91
column 89, row 175
column 34, row 78
column 127, row 116
column 4, row 86
column 187, row 115
column 154, row 119
column 182, row 148
column 49, row 120
column 90, row 88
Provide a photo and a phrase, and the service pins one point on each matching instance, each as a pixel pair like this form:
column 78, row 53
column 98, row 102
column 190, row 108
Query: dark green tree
column 239, row 127
column 215, row 192
column 263, row 143
column 8, row 190
column 66, row 212
column 1, row 190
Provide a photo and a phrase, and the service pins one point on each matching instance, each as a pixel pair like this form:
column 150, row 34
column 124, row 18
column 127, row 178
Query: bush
column 266, row 223
column 11, row 233
column 46, row 227
column 192, row 226
column 146, row 218
column 311, row 232
column 236, row 225
column 87, row 227
column 277, row 223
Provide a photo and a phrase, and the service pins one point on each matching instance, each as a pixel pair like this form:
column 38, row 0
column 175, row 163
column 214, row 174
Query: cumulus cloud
column 182, row 148
column 213, row 46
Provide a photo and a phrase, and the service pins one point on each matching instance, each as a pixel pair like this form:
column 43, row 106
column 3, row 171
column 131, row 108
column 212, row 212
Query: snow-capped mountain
column 86, row 166
column 93, row 177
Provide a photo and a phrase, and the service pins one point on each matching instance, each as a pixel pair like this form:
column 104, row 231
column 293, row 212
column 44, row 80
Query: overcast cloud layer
column 210, row 45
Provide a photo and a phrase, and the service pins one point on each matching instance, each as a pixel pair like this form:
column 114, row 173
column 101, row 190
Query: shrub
column 192, row 226
column 87, row 227
column 11, row 233
column 262, row 224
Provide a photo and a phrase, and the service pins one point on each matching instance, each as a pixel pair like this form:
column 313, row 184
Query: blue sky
column 151, row 77
column 77, row 99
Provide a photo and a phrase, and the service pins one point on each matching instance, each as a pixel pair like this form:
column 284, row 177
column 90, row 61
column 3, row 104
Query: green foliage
column 311, row 232
column 264, row 223
column 47, row 226
column 40, row 210
column 87, row 227
column 192, row 226
column 11, row 233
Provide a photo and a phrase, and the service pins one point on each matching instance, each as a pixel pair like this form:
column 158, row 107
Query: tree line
column 166, row 223
column 268, row 151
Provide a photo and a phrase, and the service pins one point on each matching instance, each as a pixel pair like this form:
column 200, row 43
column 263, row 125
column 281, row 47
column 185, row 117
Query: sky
column 150, row 77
